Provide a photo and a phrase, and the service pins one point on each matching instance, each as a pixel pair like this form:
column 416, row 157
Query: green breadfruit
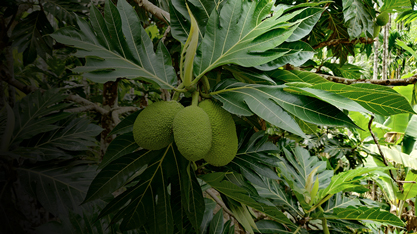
column 382, row 19
column 152, row 129
column 192, row 132
column 224, row 142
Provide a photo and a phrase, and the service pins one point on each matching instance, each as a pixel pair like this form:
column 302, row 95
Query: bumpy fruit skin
column 224, row 142
column 152, row 129
column 382, row 19
column 192, row 132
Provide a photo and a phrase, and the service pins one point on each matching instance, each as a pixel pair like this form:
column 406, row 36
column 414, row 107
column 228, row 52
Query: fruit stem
column 176, row 95
column 206, row 84
column 194, row 101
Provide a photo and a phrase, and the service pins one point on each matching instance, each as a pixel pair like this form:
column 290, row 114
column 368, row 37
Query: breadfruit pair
column 205, row 131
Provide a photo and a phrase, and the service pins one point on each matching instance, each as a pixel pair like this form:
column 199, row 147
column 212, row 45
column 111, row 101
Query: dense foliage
column 322, row 147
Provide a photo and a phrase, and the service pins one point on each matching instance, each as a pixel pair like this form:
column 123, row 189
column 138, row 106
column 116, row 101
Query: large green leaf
column 60, row 187
column 120, row 146
column 375, row 98
column 365, row 213
column 299, row 53
column 114, row 175
column 276, row 193
column 333, row 20
column 297, row 76
column 232, row 191
column 117, row 46
column 65, row 10
column 410, row 137
column 348, row 71
column 71, row 135
column 31, row 37
column 267, row 101
column 299, row 165
column 346, row 180
column 249, row 75
column 180, row 19
column 332, row 98
column 358, row 17
column 270, row 226
column 242, row 32
column 410, row 189
column 126, row 125
column 253, row 158
column 36, row 113
column 148, row 202
column 308, row 18
column 340, row 201
column 210, row 205
column 216, row 224
column 394, row 154
column 398, row 5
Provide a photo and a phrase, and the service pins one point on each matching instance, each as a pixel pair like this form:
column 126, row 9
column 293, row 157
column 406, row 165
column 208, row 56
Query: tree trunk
column 385, row 56
column 376, row 48
column 109, row 102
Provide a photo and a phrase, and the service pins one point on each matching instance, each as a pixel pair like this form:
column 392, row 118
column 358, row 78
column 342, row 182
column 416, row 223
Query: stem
column 195, row 97
column 400, row 209
column 206, row 84
column 176, row 95
column 324, row 223
column 321, row 202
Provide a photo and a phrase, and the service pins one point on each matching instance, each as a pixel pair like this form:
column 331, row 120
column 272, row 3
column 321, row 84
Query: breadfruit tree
column 241, row 116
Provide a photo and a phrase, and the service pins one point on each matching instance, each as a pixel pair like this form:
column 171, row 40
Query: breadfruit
column 382, row 19
column 192, row 132
column 224, row 142
column 152, row 129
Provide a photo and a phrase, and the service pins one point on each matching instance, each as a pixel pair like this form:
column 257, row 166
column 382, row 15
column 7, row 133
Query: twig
column 365, row 40
column 399, row 182
column 221, row 203
column 165, row 34
column 154, row 10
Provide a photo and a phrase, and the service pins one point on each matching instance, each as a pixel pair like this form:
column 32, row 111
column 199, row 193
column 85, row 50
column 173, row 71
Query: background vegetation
column 324, row 102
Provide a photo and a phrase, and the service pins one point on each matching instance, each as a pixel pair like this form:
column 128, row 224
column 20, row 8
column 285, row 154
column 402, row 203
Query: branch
column 399, row 182
column 390, row 82
column 154, row 10
column 115, row 114
column 218, row 201
column 80, row 100
column 365, row 40
column 6, row 76
column 80, row 109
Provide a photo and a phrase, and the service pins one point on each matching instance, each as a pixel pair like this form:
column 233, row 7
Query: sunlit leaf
column 267, row 101
column 299, row 53
column 366, row 213
column 358, row 17
column 375, row 98
column 242, row 32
